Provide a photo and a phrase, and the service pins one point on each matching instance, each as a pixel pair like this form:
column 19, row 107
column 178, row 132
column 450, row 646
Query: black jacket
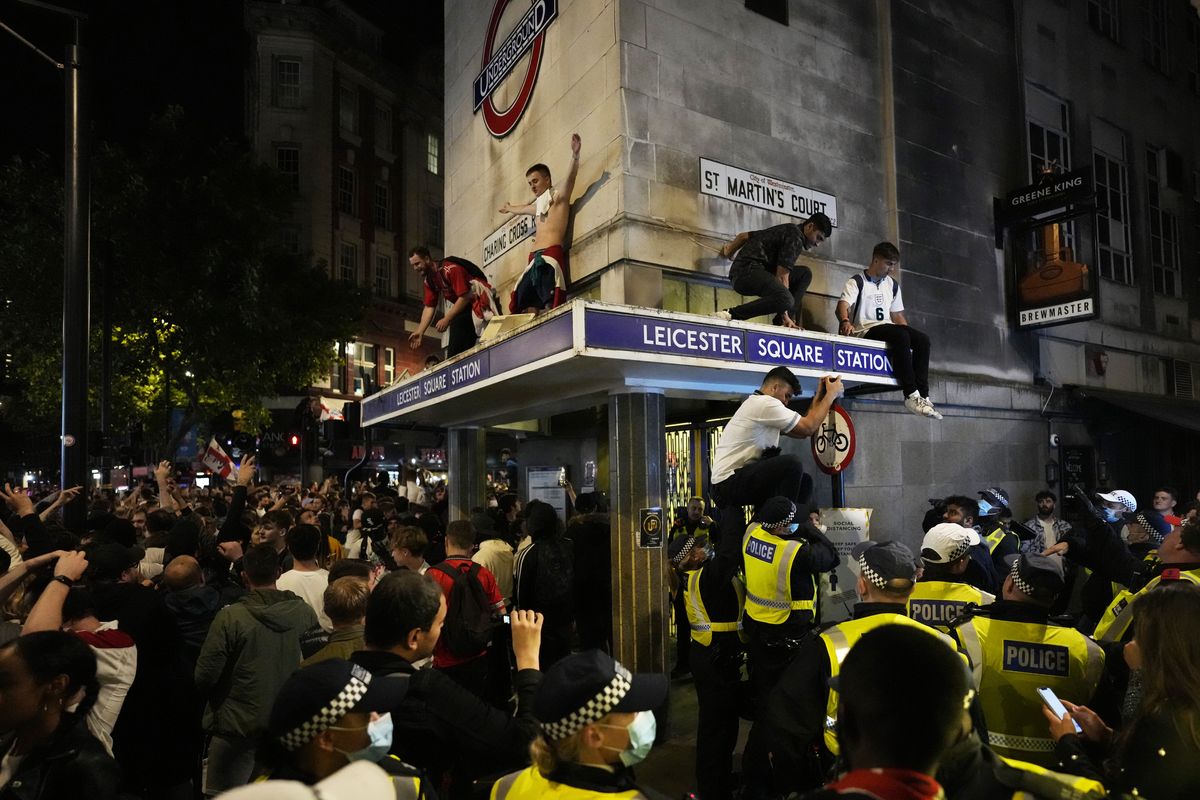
column 73, row 765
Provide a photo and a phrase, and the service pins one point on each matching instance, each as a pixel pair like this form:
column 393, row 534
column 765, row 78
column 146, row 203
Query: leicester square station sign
column 529, row 36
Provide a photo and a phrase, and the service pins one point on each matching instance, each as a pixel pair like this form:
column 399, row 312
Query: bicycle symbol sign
column 833, row 443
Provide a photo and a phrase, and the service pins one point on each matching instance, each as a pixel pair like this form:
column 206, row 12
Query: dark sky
column 147, row 54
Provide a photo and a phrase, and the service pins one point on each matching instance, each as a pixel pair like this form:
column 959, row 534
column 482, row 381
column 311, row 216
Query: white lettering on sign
column 1047, row 191
column 778, row 349
column 697, row 341
column 506, row 237
column 1058, row 313
column 853, row 359
column 465, row 372
column 763, row 191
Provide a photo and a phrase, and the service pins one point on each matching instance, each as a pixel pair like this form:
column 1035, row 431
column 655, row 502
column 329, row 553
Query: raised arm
column 828, row 391
column 735, row 244
column 513, row 208
column 161, row 474
column 569, row 186
column 64, row 497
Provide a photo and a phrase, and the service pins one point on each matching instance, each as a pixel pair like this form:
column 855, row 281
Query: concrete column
column 466, row 455
column 636, row 460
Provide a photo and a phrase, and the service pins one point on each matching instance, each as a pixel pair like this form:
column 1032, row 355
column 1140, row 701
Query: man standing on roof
column 472, row 299
column 543, row 285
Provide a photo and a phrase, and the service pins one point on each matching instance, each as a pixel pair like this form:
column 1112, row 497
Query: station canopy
column 577, row 355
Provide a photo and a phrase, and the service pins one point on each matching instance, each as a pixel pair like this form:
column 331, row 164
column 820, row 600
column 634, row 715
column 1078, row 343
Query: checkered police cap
column 605, row 701
column 872, row 577
column 338, row 707
column 1019, row 582
column 682, row 547
column 776, row 514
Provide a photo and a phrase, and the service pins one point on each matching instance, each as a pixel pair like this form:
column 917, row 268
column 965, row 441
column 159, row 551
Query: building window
column 289, row 237
column 337, row 378
column 776, row 10
column 435, row 226
column 433, row 148
column 287, row 83
column 389, row 366
column 1164, row 233
column 362, row 365
column 1193, row 37
column 348, row 109
column 383, row 275
column 1049, row 142
column 1112, row 192
column 383, row 128
column 1154, row 40
column 1105, row 18
column 348, row 263
column 287, row 161
column 383, row 206
column 347, row 197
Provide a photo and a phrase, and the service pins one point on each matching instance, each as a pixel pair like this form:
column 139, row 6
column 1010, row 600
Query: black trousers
column 768, row 660
column 471, row 675
column 908, row 348
column 462, row 334
column 757, row 482
column 750, row 279
column 720, row 695
column 683, row 630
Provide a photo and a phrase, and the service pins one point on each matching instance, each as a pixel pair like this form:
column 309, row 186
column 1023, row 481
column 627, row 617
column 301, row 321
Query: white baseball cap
column 361, row 780
column 947, row 542
column 1120, row 496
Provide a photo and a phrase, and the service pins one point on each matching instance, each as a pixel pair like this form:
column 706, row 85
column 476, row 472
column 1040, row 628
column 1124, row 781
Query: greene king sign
column 529, row 36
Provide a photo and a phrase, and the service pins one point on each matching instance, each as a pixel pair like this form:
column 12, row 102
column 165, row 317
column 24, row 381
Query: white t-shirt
column 874, row 304
column 311, row 587
column 754, row 427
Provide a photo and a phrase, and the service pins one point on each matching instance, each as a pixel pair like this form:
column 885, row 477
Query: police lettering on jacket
column 1037, row 659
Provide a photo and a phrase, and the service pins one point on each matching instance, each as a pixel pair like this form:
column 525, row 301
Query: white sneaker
column 920, row 406
column 725, row 315
column 930, row 411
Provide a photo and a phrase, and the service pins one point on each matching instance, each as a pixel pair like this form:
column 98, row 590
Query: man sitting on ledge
column 871, row 307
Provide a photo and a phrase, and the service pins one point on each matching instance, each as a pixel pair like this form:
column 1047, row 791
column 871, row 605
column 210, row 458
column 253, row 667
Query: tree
column 208, row 310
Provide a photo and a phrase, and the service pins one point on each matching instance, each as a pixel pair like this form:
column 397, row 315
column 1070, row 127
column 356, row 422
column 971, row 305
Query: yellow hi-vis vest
column 994, row 538
column 1117, row 618
column 1034, row 781
column 768, row 561
column 704, row 626
column 937, row 603
column 838, row 641
column 1011, row 660
column 530, row 784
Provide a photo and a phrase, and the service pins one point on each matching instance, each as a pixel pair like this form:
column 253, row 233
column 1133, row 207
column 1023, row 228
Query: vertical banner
column 846, row 528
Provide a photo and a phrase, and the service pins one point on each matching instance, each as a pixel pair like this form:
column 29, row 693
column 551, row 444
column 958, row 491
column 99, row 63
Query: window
column 389, row 366
column 383, row 128
column 347, row 196
column 776, row 10
column 1112, row 193
column 433, row 147
column 1193, row 38
column 362, row 365
column 1105, row 18
column 348, row 109
column 435, row 226
column 348, row 263
column 383, row 206
column 1049, row 141
column 286, row 87
column 383, row 275
column 289, row 237
column 337, row 377
column 1164, row 233
column 1154, row 29
column 287, row 161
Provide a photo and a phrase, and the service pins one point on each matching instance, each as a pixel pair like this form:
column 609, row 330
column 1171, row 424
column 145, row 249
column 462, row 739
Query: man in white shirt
column 747, row 468
column 871, row 307
column 306, row 578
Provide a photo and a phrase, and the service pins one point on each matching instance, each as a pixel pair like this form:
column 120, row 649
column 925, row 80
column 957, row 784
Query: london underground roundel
column 529, row 36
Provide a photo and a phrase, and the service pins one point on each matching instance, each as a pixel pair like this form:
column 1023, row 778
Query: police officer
column 782, row 555
column 941, row 594
column 596, row 723
column 962, row 510
column 694, row 522
column 1014, row 650
column 1144, row 534
column 800, row 719
column 713, row 596
column 993, row 528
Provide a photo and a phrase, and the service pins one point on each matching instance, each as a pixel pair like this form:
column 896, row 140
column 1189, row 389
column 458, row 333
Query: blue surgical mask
column 641, row 738
column 985, row 508
column 795, row 526
column 1111, row 515
column 380, row 731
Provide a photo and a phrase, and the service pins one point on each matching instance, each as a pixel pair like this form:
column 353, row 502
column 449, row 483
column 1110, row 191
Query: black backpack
column 469, row 623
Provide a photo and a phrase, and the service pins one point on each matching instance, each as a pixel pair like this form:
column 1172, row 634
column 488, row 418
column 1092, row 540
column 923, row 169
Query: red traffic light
column 295, row 440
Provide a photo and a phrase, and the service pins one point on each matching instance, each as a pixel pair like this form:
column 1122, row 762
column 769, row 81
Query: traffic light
column 294, row 440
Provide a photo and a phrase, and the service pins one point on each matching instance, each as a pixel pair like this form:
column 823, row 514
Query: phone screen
column 1054, row 704
column 507, row 619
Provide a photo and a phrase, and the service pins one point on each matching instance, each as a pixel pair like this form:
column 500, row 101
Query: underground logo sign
column 498, row 61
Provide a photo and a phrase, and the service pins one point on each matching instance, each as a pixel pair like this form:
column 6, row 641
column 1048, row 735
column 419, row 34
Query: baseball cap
column 776, row 513
column 1119, row 496
column 1040, row 577
column 360, row 780
column 883, row 562
column 1156, row 524
column 107, row 560
column 682, row 546
column 583, row 687
column 314, row 698
column 947, row 542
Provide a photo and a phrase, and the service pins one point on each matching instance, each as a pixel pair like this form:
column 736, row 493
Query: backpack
column 469, row 623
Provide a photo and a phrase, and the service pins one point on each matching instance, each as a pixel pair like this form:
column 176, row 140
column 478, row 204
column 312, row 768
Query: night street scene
column 511, row 399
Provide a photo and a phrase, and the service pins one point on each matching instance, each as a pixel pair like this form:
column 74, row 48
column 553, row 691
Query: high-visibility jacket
column 770, row 596
column 1031, row 780
column 996, row 538
column 700, row 621
column 1011, row 659
column 1117, row 618
column 937, row 603
column 530, row 784
column 840, row 638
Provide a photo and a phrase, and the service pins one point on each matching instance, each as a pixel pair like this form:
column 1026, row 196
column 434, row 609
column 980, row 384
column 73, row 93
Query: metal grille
column 679, row 470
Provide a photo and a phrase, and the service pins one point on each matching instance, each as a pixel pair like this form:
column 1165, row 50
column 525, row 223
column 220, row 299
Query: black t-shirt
column 776, row 246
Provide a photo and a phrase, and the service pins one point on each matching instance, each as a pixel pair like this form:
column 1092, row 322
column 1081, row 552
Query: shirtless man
column 543, row 285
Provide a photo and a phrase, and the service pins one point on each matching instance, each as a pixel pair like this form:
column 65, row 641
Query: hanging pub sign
column 529, row 36
column 1050, row 285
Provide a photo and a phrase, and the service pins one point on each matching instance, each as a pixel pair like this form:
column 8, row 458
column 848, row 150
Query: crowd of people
column 249, row 637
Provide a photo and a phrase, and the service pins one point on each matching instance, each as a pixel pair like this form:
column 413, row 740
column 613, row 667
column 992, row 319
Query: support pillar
column 636, row 448
column 466, row 454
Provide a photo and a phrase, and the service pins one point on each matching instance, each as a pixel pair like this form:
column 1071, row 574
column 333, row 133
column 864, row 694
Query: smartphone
column 1054, row 704
column 507, row 619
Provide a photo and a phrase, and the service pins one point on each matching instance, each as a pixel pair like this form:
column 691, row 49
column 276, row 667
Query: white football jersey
column 871, row 303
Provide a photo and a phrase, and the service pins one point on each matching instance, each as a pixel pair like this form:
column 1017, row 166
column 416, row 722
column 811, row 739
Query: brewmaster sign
column 529, row 36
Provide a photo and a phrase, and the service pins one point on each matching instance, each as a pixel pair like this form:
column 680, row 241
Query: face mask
column 641, row 738
column 985, row 508
column 795, row 526
column 380, row 731
column 1110, row 515
column 708, row 552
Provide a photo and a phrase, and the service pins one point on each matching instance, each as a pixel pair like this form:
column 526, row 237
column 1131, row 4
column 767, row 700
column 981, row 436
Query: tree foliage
column 208, row 311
